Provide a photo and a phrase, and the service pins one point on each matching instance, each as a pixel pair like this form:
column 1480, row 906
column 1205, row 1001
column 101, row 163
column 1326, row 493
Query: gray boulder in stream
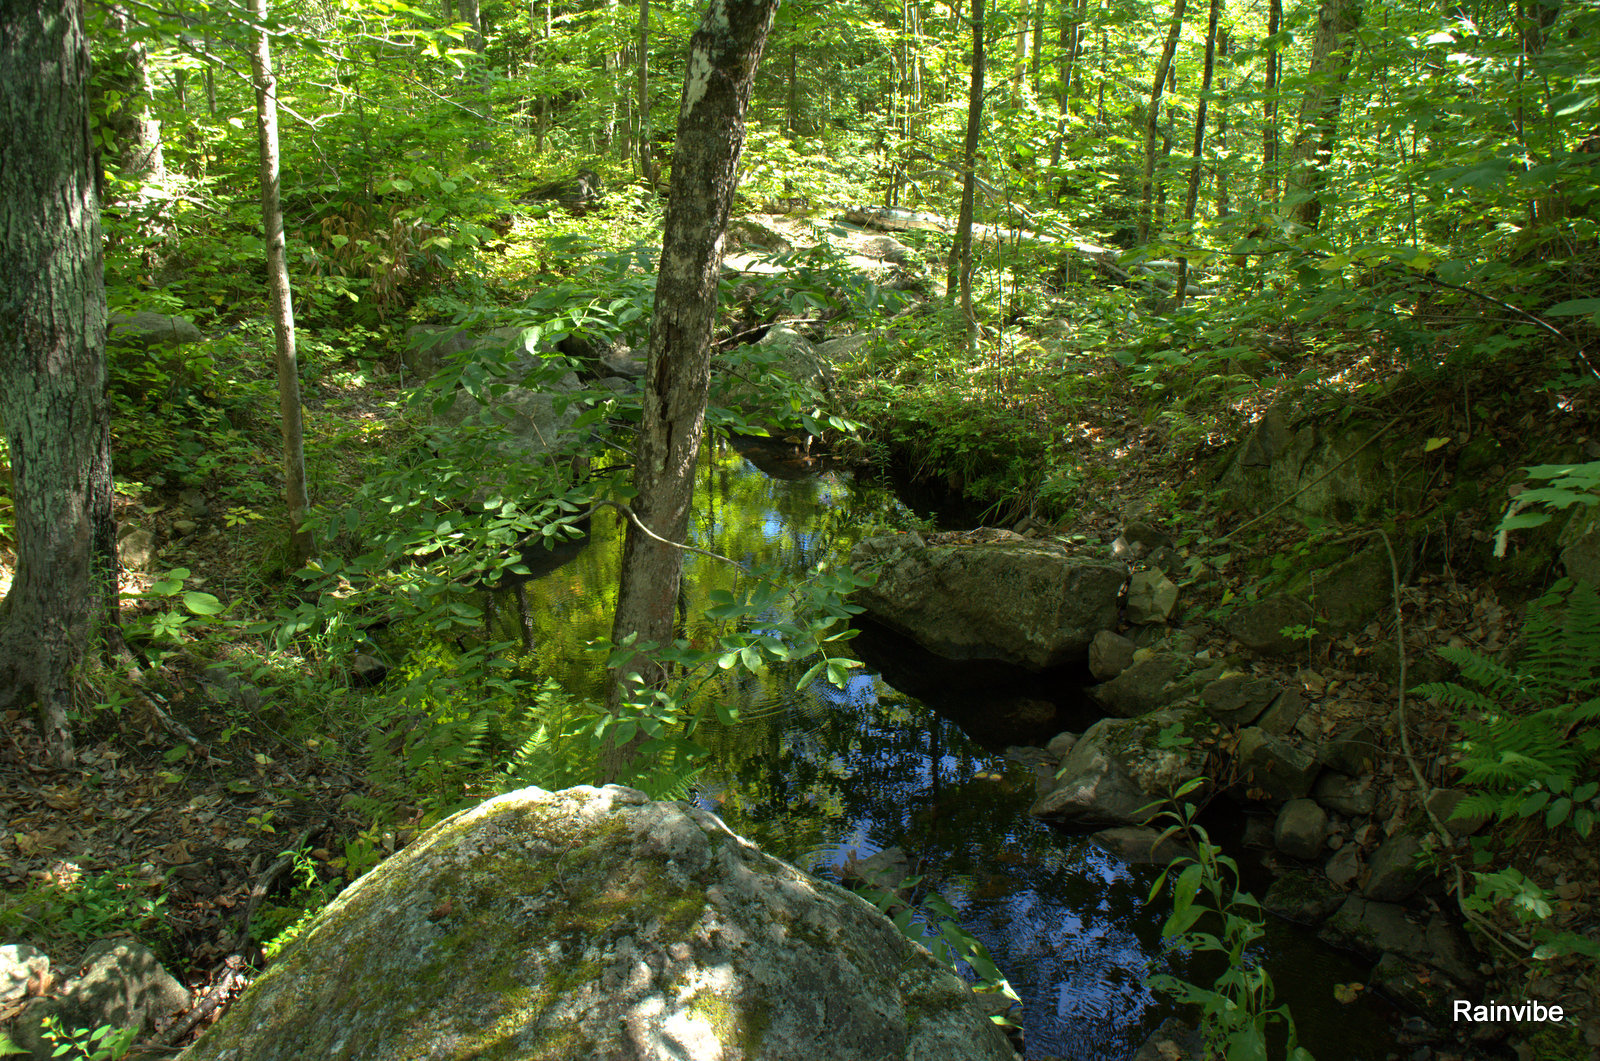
column 1121, row 766
column 595, row 924
column 989, row 595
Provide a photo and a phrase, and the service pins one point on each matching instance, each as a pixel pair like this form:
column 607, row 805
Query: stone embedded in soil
column 1373, row 928
column 1151, row 598
column 1109, row 655
column 1257, row 832
column 1451, row 951
column 1282, row 770
column 1392, row 872
column 1060, row 746
column 1444, row 801
column 1285, row 712
column 1352, row 797
column 1143, row 687
column 19, row 963
column 123, row 985
column 1301, row 898
column 1343, row 866
column 1238, row 699
column 1301, row 828
column 1414, row 986
column 1259, row 626
column 1352, row 752
column 136, row 548
column 1118, row 768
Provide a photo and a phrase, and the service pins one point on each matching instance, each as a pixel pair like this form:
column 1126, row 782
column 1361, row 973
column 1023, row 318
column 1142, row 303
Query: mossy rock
column 593, row 923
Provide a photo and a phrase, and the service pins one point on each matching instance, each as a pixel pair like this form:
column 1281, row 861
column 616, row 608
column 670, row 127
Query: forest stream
column 915, row 760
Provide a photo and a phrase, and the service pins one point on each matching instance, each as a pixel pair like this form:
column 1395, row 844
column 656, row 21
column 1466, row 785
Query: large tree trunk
column 286, row 357
column 52, row 363
column 1319, row 110
column 723, row 55
column 136, row 128
column 1163, row 68
column 959, row 275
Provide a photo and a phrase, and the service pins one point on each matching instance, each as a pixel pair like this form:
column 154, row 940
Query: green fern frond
column 1533, row 729
column 1460, row 697
column 1487, row 674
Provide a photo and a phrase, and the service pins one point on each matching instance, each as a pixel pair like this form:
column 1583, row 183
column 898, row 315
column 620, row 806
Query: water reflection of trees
column 812, row 775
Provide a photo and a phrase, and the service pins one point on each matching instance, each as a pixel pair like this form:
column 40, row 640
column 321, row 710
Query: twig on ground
column 258, row 891
column 1446, row 839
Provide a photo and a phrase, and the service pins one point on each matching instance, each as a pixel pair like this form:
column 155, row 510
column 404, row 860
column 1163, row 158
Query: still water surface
column 820, row 775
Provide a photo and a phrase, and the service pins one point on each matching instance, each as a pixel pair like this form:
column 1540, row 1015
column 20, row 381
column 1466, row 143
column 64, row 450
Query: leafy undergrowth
column 254, row 797
column 1074, row 431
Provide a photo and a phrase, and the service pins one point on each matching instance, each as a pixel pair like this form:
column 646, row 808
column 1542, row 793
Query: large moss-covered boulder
column 594, row 924
column 1338, row 469
column 990, row 594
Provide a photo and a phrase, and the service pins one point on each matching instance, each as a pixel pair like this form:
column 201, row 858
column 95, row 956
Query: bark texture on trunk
column 52, row 363
column 1319, row 110
column 723, row 55
column 286, row 356
column 135, row 126
column 960, row 270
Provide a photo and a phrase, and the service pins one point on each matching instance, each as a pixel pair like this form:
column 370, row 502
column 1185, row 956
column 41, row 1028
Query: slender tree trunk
column 647, row 156
column 294, row 462
column 474, row 20
column 723, row 56
column 473, row 17
column 1019, row 76
column 211, row 83
column 1163, row 68
column 960, row 268
column 52, row 364
column 1192, row 197
column 1224, row 203
column 1100, row 90
column 1069, row 33
column 792, row 108
column 1036, row 49
column 1319, row 110
column 1270, row 137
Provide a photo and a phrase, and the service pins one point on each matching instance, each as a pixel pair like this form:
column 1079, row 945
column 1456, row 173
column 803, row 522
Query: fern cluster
column 1529, row 734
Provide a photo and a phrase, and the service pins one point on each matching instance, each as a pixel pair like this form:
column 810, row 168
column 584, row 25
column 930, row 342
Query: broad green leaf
column 201, row 603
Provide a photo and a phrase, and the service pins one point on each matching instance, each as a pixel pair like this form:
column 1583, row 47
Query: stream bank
column 920, row 755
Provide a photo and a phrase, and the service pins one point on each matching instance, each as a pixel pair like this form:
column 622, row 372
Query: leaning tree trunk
column 52, row 363
column 286, row 357
column 1147, row 194
column 960, row 267
column 723, row 55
